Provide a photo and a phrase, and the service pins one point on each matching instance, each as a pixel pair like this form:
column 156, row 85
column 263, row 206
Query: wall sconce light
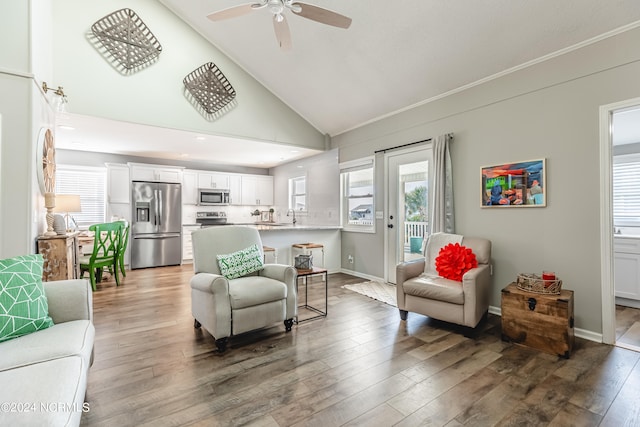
column 60, row 104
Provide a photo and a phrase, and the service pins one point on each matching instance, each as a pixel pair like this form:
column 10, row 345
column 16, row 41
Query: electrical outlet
column 350, row 259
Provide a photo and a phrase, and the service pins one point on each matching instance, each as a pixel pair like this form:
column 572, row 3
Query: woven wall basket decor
column 210, row 88
column 128, row 42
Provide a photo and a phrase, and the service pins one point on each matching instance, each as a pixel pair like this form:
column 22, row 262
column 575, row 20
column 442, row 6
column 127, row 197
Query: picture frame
column 264, row 216
column 517, row 184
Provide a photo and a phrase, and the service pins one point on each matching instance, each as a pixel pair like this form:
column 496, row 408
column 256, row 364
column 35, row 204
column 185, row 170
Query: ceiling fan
column 277, row 7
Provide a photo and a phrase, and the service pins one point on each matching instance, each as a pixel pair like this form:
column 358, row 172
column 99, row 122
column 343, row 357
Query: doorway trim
column 606, row 218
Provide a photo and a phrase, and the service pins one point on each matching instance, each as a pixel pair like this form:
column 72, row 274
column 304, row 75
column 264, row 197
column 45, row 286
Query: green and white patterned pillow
column 241, row 263
column 23, row 303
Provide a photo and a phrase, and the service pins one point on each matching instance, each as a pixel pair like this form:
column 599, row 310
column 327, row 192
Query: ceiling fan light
column 278, row 17
column 276, row 7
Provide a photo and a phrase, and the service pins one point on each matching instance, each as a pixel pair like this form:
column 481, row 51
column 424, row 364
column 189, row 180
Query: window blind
column 90, row 184
column 357, row 201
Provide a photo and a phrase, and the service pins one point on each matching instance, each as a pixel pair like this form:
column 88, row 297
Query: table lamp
column 68, row 203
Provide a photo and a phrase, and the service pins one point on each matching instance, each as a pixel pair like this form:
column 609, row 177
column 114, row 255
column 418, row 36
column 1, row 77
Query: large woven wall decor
column 127, row 40
column 210, row 89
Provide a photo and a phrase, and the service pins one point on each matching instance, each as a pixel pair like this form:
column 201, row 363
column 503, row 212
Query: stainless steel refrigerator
column 156, row 226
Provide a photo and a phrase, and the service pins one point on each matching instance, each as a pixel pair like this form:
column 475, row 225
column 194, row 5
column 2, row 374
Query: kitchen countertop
column 291, row 227
column 278, row 226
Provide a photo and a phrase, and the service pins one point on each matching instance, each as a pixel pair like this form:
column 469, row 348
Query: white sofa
column 43, row 375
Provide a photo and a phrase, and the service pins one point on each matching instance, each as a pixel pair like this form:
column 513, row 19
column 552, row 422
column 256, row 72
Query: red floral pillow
column 455, row 260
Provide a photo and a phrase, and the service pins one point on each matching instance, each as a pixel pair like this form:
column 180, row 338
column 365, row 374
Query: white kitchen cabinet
column 257, row 190
column 118, row 183
column 156, row 173
column 235, row 189
column 187, row 245
column 626, row 261
column 189, row 187
column 213, row 180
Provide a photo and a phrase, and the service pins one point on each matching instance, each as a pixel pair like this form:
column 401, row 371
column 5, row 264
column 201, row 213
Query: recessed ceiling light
column 200, row 138
column 183, row 155
column 294, row 151
column 65, row 127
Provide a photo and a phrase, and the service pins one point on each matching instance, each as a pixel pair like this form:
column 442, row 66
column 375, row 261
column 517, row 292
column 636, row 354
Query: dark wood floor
column 628, row 327
column 360, row 366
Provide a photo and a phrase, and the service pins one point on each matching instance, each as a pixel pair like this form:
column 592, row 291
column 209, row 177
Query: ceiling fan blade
column 231, row 12
column 322, row 15
column 283, row 34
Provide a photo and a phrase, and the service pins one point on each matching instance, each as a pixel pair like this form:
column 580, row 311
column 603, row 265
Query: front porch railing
column 414, row 229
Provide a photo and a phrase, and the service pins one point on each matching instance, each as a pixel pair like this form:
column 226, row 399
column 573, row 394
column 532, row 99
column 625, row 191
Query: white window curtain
column 442, row 212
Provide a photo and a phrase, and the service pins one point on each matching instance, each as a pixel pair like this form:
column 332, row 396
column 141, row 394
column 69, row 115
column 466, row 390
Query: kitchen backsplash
column 242, row 214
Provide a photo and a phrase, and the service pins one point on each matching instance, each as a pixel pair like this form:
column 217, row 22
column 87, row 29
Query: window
column 626, row 190
column 89, row 183
column 357, row 201
column 298, row 193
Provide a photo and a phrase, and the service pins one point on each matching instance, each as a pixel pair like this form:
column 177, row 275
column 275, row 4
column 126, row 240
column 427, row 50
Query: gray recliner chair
column 227, row 307
column 421, row 290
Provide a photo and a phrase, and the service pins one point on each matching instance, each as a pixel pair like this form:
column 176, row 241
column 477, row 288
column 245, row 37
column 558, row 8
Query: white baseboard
column 361, row 275
column 627, row 302
column 580, row 333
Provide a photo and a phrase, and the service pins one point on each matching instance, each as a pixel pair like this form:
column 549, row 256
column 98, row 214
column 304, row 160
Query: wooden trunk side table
column 541, row 321
column 60, row 255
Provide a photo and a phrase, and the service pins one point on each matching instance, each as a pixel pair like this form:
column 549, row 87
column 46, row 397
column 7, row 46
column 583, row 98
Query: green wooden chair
column 107, row 239
column 124, row 241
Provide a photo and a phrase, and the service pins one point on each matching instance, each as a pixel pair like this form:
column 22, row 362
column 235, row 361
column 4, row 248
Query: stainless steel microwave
column 213, row 197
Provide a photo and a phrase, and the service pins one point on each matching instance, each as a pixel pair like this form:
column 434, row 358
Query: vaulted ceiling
column 398, row 54
column 395, row 55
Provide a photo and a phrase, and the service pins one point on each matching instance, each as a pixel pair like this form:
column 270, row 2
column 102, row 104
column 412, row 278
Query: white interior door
column 407, row 211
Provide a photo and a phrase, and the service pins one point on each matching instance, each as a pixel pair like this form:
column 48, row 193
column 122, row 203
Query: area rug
column 380, row 291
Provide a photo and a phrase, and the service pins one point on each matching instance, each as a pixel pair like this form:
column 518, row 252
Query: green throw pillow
column 23, row 304
column 241, row 263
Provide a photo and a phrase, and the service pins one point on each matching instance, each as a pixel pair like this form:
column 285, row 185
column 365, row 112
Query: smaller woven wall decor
column 209, row 87
column 127, row 39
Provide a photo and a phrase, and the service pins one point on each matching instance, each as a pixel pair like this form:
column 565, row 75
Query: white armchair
column 421, row 290
column 227, row 307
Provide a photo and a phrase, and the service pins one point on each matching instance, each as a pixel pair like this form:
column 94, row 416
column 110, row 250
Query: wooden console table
column 60, row 255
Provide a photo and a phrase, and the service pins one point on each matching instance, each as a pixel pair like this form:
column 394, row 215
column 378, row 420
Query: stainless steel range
column 209, row 219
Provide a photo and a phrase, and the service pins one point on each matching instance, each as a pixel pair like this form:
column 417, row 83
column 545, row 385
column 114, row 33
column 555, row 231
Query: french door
column 408, row 195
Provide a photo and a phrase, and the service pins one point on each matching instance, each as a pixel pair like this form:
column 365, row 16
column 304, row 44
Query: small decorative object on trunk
column 209, row 88
column 540, row 285
column 129, row 42
column 304, row 262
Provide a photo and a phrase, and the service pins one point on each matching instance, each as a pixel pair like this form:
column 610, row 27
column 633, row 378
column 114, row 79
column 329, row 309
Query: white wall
column 24, row 110
column 14, row 27
column 549, row 110
column 154, row 96
column 323, row 189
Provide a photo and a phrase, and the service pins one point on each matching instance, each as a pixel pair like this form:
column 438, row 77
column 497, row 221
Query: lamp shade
column 67, row 203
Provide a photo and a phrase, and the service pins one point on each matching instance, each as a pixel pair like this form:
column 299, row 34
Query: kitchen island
column 282, row 236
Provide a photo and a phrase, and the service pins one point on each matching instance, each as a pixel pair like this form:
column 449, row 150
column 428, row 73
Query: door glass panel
column 413, row 196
